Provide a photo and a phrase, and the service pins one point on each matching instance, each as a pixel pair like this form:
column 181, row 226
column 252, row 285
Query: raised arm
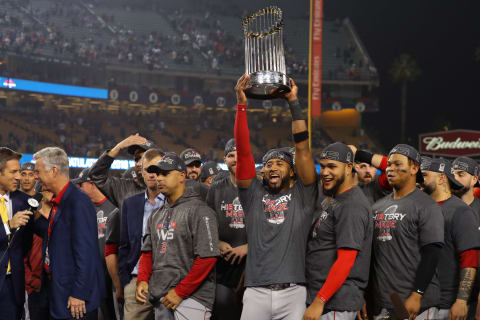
column 245, row 172
column 304, row 164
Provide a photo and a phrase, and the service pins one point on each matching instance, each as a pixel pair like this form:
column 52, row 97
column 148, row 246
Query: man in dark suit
column 14, row 241
column 135, row 213
column 72, row 266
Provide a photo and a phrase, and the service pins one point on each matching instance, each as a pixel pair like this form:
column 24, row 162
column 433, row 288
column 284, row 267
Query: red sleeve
column 383, row 164
column 383, row 182
column 111, row 248
column 145, row 267
column 476, row 192
column 245, row 162
column 200, row 269
column 338, row 273
column 469, row 259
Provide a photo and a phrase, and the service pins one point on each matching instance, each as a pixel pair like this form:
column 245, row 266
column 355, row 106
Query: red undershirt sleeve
column 476, row 192
column 145, row 267
column 338, row 273
column 200, row 269
column 111, row 248
column 382, row 179
column 469, row 259
column 245, row 162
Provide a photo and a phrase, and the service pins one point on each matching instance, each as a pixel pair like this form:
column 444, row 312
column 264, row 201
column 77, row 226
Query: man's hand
column 172, row 300
column 119, row 295
column 314, row 312
column 412, row 304
column 353, row 148
column 224, row 247
column 77, row 307
column 142, row 291
column 236, row 254
column 242, row 85
column 459, row 310
column 477, row 312
column 293, row 94
column 19, row 219
column 362, row 314
column 130, row 141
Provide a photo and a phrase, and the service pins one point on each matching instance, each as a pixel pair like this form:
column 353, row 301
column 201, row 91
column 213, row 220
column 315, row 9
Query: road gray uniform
column 176, row 235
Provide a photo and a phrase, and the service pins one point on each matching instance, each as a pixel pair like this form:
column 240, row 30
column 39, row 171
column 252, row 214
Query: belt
column 278, row 286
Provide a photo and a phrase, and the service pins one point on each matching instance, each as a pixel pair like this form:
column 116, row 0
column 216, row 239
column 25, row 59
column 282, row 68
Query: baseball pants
column 339, row 315
column 266, row 304
column 189, row 309
column 429, row 314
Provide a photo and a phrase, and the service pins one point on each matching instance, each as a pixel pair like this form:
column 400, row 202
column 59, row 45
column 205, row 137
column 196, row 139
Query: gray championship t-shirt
column 104, row 211
column 461, row 234
column 112, row 231
column 374, row 191
column 223, row 198
column 475, row 205
column 345, row 222
column 277, row 231
column 178, row 234
column 401, row 228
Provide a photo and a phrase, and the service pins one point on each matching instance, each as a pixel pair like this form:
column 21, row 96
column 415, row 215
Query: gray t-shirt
column 401, row 228
column 104, row 211
column 223, row 198
column 373, row 190
column 461, row 234
column 112, row 232
column 177, row 234
column 345, row 222
column 277, row 230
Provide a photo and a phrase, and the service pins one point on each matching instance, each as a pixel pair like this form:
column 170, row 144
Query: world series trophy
column 264, row 54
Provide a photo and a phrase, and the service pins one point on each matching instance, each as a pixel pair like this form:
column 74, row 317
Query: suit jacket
column 75, row 265
column 21, row 242
column 131, row 225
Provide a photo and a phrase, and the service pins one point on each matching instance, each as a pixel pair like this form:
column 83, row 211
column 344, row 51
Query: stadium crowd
column 369, row 236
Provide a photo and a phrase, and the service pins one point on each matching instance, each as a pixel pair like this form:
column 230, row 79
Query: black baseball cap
column 441, row 165
column 209, row 168
column 190, row 155
column 468, row 165
column 27, row 166
column 411, row 153
column 146, row 146
column 337, row 151
column 82, row 177
column 169, row 162
column 281, row 154
column 230, row 146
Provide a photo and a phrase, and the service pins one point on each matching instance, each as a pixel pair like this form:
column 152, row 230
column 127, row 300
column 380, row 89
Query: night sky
column 442, row 35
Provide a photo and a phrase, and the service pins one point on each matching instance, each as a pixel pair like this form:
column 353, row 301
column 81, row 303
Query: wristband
column 296, row 110
column 363, row 156
column 300, row 136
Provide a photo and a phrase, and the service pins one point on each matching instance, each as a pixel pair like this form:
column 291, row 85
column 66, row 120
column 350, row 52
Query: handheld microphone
column 33, row 204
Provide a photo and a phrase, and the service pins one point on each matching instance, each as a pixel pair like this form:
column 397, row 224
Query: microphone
column 34, row 202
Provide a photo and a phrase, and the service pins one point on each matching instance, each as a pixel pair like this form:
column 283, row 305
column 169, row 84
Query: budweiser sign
column 451, row 143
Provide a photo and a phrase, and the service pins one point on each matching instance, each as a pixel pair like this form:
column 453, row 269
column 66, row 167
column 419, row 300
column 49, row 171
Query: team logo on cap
column 459, row 165
column 331, row 155
column 210, row 170
column 401, row 150
column 167, row 160
column 425, row 164
column 191, row 154
column 441, row 167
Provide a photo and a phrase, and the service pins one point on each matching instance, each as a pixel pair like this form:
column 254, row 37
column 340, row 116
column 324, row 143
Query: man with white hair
column 72, row 268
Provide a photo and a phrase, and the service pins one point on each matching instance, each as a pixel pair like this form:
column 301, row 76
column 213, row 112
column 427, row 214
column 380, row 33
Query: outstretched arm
column 304, row 164
column 245, row 172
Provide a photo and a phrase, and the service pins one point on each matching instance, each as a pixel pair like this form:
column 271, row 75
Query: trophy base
column 267, row 85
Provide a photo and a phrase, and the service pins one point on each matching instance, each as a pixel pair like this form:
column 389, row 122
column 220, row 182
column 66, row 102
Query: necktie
column 4, row 214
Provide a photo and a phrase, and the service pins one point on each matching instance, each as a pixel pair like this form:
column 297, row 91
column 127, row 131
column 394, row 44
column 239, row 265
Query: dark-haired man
column 459, row 257
column 278, row 215
column 407, row 240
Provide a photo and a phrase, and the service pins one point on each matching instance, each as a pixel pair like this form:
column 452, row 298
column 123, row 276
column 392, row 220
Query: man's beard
column 193, row 176
column 232, row 168
column 460, row 192
column 333, row 191
column 429, row 188
column 365, row 177
column 274, row 190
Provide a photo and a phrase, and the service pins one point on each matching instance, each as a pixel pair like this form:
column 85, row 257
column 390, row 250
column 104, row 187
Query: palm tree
column 404, row 70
